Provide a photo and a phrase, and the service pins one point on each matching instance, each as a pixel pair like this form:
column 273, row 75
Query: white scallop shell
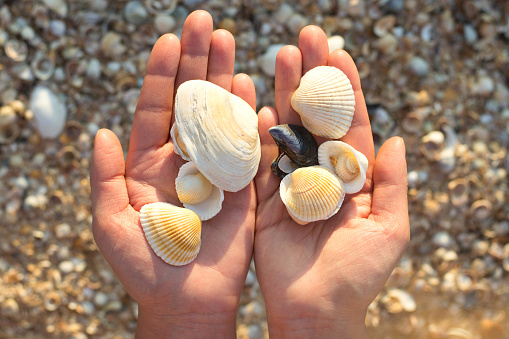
column 220, row 133
column 189, row 191
column 174, row 233
column 350, row 165
column 311, row 194
column 325, row 102
column 177, row 143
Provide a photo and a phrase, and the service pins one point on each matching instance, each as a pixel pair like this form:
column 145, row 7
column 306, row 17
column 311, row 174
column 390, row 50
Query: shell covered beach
column 433, row 72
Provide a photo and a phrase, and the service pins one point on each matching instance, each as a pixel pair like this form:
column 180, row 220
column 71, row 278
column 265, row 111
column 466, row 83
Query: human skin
column 202, row 297
column 319, row 279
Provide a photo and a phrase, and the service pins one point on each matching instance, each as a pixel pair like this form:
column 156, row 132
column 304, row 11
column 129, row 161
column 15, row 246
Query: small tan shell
column 325, row 102
column 197, row 193
column 174, row 233
column 349, row 164
column 311, row 194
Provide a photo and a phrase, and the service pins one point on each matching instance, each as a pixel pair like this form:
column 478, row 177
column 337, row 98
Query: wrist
column 317, row 324
column 185, row 325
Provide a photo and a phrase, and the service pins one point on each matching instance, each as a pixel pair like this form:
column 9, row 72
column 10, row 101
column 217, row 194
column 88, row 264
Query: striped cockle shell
column 197, row 193
column 174, row 233
column 220, row 133
column 325, row 102
column 311, row 194
column 349, row 164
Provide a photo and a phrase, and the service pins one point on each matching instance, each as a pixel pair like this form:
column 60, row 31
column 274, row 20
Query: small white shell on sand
column 49, row 112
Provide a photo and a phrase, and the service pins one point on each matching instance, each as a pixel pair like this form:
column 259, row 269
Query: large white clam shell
column 311, row 194
column 325, row 102
column 349, row 164
column 174, row 233
column 197, row 193
column 220, row 133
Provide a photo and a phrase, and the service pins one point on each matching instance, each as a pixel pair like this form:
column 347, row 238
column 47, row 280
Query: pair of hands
column 318, row 279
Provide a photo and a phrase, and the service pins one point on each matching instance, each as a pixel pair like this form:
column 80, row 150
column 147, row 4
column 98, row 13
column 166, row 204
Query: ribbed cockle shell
column 197, row 193
column 325, row 102
column 219, row 132
column 349, row 164
column 311, row 194
column 174, row 233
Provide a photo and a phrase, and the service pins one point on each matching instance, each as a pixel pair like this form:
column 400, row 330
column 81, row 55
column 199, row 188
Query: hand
column 202, row 296
column 319, row 279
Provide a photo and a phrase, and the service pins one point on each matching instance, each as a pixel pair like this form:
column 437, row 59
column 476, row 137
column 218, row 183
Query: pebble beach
column 433, row 72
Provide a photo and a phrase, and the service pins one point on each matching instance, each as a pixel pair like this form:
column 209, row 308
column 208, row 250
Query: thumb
column 107, row 181
column 390, row 202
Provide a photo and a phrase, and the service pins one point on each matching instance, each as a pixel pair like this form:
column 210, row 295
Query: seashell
column 325, row 102
column 286, row 165
column 16, row 50
column 197, row 193
column 178, row 144
column 459, row 190
column 174, row 233
column 49, row 112
column 431, row 145
column 297, row 144
column 311, row 194
column 397, row 301
column 349, row 164
column 43, row 66
column 220, row 133
column 9, row 128
column 160, row 6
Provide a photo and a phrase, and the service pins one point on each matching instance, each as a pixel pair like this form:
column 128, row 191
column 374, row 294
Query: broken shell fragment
column 197, row 193
column 220, row 133
column 325, row 102
column 349, row 164
column 311, row 194
column 174, row 233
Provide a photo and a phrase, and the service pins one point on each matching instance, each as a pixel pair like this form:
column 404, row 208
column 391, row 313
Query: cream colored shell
column 311, row 194
column 349, row 164
column 197, row 193
column 220, row 133
column 174, row 233
column 325, row 102
column 178, row 145
column 286, row 165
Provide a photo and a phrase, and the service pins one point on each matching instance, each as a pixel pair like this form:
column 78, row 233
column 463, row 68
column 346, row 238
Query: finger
column 221, row 59
column 243, row 87
column 266, row 182
column 390, row 203
column 151, row 122
column 195, row 41
column 314, row 47
column 359, row 135
column 288, row 74
column 109, row 191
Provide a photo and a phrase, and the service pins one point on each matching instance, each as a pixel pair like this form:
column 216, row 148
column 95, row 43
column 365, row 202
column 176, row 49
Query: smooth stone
column 101, row 299
column 419, row 66
column 10, row 308
column 57, row 27
column 165, row 23
column 470, row 34
column 57, row 6
column 66, row 266
column 254, row 332
column 336, row 42
column 135, row 13
column 267, row 61
column 443, row 239
column 49, row 112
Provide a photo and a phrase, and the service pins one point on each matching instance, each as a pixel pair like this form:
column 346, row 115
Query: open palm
column 206, row 291
column 323, row 275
